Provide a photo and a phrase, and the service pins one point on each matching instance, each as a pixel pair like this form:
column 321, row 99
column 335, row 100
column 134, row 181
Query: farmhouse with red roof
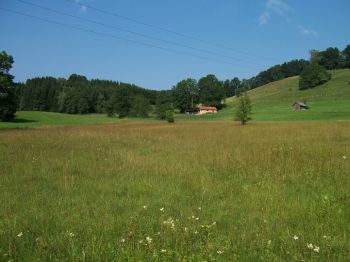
column 207, row 109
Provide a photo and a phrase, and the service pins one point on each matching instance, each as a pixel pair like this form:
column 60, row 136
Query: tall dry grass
column 190, row 191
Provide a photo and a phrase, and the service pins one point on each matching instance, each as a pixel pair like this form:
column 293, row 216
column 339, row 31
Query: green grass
column 229, row 193
column 26, row 119
column 37, row 118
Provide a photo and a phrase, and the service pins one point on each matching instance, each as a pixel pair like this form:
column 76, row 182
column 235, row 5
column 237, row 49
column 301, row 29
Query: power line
column 165, row 29
column 119, row 38
column 137, row 33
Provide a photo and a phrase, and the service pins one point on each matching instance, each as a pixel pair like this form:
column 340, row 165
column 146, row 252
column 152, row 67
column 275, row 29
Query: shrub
column 313, row 75
column 169, row 116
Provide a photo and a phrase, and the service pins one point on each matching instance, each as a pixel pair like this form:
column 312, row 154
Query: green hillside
column 330, row 101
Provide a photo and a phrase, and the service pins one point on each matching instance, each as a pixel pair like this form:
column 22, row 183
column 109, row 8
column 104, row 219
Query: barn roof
column 299, row 103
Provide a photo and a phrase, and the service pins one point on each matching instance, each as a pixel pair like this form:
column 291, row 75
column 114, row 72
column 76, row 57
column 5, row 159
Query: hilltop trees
column 331, row 58
column 313, row 75
column 346, row 56
column 277, row 72
column 8, row 101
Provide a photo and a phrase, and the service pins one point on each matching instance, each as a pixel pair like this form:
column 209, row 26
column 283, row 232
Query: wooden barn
column 299, row 106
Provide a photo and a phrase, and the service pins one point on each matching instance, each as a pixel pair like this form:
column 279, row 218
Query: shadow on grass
column 22, row 120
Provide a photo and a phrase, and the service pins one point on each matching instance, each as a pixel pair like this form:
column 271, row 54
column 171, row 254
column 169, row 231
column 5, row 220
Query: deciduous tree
column 346, row 56
column 313, row 75
column 185, row 94
column 244, row 108
column 8, row 101
column 211, row 91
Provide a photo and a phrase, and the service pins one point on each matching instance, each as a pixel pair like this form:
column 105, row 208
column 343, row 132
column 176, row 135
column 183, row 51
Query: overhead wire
column 136, row 33
column 115, row 14
column 119, row 38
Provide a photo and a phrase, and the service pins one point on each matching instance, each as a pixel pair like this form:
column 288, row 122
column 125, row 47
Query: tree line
column 330, row 59
column 78, row 95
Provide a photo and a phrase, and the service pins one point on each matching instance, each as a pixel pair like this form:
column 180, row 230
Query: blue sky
column 247, row 37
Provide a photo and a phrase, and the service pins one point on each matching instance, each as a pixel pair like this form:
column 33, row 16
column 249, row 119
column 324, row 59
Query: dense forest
column 78, row 95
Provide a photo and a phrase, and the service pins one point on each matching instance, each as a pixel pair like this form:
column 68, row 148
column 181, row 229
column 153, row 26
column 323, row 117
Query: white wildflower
column 149, row 240
column 310, row 246
column 71, row 234
column 220, row 252
column 169, row 222
column 317, row 249
column 296, row 237
column 196, row 232
column 199, row 208
column 20, row 234
column 144, row 207
column 197, row 218
column 163, row 251
column 193, row 217
column 344, row 157
column 185, row 229
column 162, row 209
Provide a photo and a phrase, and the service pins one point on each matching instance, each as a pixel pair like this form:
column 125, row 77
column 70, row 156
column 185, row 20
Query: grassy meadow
column 194, row 191
column 29, row 119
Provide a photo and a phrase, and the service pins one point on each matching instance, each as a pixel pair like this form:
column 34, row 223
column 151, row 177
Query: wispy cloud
column 82, row 7
column 264, row 18
column 307, row 31
column 277, row 7
column 281, row 9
